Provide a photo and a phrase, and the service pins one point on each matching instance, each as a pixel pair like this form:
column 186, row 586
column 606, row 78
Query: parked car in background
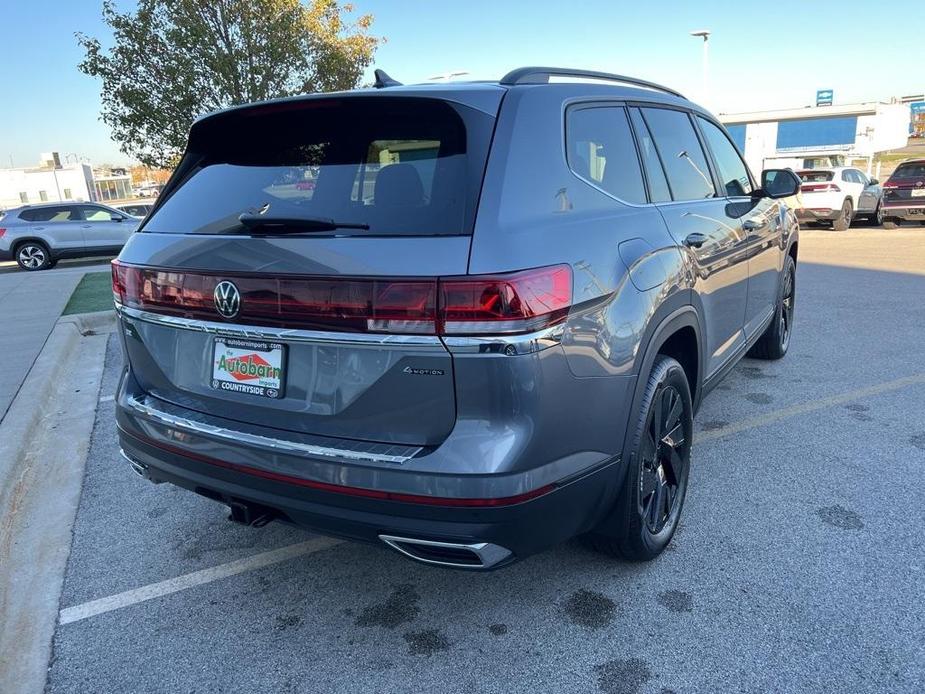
column 838, row 196
column 904, row 194
column 148, row 191
column 485, row 331
column 38, row 236
column 135, row 209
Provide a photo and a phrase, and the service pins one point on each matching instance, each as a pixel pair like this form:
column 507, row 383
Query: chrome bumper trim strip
column 278, row 445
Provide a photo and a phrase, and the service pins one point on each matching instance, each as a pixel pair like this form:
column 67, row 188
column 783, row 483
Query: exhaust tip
column 458, row 555
column 140, row 469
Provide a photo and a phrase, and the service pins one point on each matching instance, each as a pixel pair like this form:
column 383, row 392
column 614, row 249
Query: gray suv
column 38, row 236
column 466, row 320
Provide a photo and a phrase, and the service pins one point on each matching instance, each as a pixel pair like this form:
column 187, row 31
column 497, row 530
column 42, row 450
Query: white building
column 51, row 181
column 794, row 137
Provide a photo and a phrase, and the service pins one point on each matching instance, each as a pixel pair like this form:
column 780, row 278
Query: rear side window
column 681, row 153
column 51, row 214
column 601, row 150
column 402, row 166
column 733, row 173
column 916, row 170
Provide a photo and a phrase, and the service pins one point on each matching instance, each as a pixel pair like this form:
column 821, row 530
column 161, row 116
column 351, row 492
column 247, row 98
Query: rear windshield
column 402, row 166
column 815, row 176
column 916, row 170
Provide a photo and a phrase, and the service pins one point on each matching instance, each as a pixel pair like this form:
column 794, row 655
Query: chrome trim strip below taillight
column 289, row 335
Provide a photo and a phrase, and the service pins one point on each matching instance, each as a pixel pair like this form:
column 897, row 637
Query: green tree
column 173, row 60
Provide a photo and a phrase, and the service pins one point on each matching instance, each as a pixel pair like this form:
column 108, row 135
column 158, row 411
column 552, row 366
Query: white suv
column 838, row 195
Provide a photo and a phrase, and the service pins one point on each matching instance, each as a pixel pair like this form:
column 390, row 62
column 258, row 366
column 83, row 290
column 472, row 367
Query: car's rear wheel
column 843, row 220
column 775, row 340
column 33, row 255
column 649, row 505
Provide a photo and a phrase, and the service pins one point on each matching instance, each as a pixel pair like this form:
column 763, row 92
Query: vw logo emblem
column 227, row 299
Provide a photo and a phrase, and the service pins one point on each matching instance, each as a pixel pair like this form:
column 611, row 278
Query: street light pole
column 705, row 35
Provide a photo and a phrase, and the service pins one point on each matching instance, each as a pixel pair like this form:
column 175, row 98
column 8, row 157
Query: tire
column 649, row 503
column 775, row 340
column 876, row 219
column 32, row 256
column 891, row 223
column 843, row 221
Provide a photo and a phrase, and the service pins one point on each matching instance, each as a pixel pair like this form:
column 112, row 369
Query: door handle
column 754, row 224
column 695, row 240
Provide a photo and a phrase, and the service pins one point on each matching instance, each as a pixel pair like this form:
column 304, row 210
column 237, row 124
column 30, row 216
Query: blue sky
column 762, row 55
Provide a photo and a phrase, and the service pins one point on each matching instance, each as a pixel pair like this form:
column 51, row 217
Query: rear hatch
column 906, row 185
column 287, row 276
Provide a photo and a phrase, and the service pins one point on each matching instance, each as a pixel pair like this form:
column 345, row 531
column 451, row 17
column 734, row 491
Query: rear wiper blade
column 279, row 224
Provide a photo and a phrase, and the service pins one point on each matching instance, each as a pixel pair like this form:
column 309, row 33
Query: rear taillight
column 521, row 302
column 2, row 232
column 513, row 303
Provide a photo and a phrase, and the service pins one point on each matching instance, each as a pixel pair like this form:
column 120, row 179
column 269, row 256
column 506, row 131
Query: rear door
column 702, row 221
column 60, row 224
column 325, row 329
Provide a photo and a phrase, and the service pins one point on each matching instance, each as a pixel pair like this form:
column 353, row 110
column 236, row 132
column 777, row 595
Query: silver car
column 38, row 236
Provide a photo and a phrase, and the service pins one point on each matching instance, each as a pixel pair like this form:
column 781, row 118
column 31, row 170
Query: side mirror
column 779, row 183
column 874, row 182
column 116, row 218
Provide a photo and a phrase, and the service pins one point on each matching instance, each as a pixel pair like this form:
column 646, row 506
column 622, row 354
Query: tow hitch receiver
column 250, row 514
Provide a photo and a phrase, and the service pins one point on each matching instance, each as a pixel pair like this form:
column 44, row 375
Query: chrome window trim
column 278, row 445
column 252, row 332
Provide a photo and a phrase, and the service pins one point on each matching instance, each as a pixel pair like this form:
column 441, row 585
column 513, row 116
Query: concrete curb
column 91, row 323
column 44, row 439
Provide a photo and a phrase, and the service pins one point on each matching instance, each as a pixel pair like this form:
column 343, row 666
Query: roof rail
column 541, row 75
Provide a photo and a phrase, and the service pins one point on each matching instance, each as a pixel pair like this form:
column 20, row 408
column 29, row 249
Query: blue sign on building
column 817, row 132
column 824, row 97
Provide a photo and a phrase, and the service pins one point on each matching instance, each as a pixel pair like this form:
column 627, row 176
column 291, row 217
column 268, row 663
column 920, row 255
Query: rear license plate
column 918, row 193
column 246, row 366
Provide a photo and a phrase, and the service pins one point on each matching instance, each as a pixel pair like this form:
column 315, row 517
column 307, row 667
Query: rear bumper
column 521, row 528
column 817, row 214
column 905, row 210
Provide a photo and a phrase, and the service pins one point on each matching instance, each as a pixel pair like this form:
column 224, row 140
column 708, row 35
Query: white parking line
column 86, row 610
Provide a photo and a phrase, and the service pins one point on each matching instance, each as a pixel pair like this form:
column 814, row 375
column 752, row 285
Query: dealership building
column 835, row 134
column 52, row 181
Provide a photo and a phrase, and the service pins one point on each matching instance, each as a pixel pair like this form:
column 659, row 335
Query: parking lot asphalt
column 799, row 565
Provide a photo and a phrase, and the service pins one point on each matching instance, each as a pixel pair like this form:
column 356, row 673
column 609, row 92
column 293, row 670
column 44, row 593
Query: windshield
column 402, row 166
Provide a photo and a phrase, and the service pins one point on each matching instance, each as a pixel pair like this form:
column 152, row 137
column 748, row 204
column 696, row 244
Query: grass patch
column 94, row 293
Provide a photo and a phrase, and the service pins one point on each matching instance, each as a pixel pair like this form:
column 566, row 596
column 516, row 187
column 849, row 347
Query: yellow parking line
column 810, row 406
